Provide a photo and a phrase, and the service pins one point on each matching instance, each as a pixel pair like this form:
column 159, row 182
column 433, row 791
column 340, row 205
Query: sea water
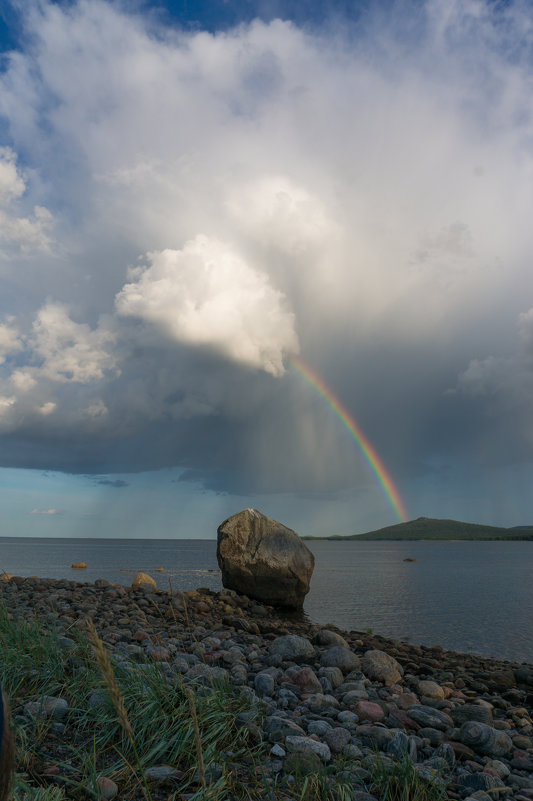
column 467, row 596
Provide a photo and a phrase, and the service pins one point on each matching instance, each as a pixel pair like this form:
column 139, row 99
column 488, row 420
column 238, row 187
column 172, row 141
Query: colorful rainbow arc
column 365, row 446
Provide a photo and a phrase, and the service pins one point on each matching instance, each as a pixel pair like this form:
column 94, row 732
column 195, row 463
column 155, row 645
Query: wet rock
column 380, row 666
column 264, row 559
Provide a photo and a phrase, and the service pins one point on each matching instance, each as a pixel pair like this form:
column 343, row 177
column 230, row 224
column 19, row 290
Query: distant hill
column 426, row 528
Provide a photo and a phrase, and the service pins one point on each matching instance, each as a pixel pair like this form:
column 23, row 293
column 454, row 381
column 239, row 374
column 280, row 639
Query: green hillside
column 426, row 528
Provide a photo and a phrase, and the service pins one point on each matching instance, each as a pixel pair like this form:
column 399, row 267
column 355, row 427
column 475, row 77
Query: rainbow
column 365, row 446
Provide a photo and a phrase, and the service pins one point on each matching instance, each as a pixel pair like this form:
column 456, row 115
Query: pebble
column 315, row 693
column 107, row 787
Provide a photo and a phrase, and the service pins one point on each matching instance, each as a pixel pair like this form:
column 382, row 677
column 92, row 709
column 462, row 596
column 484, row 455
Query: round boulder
column 264, row 559
column 340, row 657
column 292, row 648
column 379, row 666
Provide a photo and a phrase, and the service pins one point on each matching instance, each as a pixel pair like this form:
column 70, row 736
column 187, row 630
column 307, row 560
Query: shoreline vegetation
column 427, row 529
column 140, row 693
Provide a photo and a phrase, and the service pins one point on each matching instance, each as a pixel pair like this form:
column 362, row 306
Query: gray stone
column 278, row 751
column 484, row 739
column 319, row 703
column 427, row 716
column 291, row 647
column 161, row 773
column 305, row 745
column 328, row 637
column 479, row 781
column 108, row 789
column 333, row 674
column 465, row 712
column 399, row 746
column 264, row 559
column 337, row 739
column 347, row 718
column 277, row 728
column 47, row 707
column 446, row 752
column 379, row 666
column 498, row 767
column 264, row 684
column 341, row 658
column 319, row 727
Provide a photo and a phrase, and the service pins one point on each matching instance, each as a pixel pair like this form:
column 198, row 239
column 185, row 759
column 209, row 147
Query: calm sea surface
column 467, row 596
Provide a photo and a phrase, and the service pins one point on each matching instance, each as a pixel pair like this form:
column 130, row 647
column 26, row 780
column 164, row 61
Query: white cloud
column 206, row 294
column 47, row 408
column 364, row 198
column 25, row 233
column 277, row 213
column 9, row 341
column 46, row 512
column 70, row 351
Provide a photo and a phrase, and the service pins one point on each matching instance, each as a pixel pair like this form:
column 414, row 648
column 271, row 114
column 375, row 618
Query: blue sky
column 192, row 194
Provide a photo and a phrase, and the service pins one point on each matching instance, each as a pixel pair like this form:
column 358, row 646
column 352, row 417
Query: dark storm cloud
column 117, row 483
column 195, row 209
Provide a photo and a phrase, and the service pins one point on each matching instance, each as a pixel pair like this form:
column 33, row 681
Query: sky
column 267, row 254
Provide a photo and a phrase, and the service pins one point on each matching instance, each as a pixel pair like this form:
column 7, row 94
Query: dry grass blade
column 194, row 718
column 110, row 681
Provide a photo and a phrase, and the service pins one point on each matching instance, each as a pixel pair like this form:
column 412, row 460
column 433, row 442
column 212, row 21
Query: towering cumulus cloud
column 206, row 294
column 183, row 211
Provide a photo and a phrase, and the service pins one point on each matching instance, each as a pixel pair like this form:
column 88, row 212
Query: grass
column 402, row 781
column 147, row 717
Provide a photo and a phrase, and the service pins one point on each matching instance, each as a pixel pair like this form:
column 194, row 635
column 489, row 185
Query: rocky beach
column 348, row 707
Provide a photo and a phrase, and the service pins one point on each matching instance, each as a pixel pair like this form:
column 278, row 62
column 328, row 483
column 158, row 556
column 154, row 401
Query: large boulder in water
column 264, row 559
